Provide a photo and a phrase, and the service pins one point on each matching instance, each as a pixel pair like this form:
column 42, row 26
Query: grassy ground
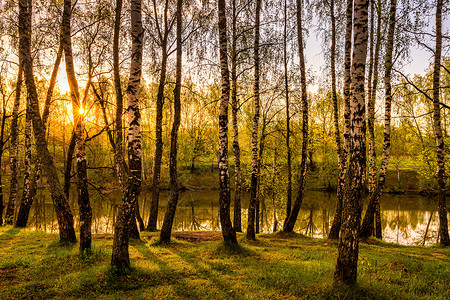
column 198, row 266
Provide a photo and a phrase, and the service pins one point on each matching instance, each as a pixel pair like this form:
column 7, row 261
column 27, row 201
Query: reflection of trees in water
column 426, row 230
column 404, row 218
column 39, row 215
column 310, row 227
column 414, row 218
column 326, row 222
column 410, row 226
column 194, row 223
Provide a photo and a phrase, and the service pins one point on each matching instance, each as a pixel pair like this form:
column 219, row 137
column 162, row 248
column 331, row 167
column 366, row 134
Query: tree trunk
column 274, row 165
column 25, row 204
column 288, row 118
column 337, row 220
column 154, row 206
column 228, row 232
column 84, row 207
column 2, row 144
column 68, row 165
column 258, row 211
column 121, row 167
column 290, row 222
column 367, row 224
column 29, row 192
column 254, row 177
column 442, row 206
column 372, row 91
column 117, row 144
column 120, row 256
column 14, row 152
column 153, row 218
column 337, row 134
column 63, row 213
column 346, row 267
column 166, row 228
column 235, row 108
column 372, row 170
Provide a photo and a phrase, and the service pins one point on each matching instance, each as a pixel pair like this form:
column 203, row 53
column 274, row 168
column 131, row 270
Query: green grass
column 276, row 266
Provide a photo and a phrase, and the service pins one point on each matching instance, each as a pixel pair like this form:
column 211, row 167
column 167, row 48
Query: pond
column 405, row 218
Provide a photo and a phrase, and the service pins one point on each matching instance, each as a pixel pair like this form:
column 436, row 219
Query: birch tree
column 166, row 228
column 372, row 95
column 442, row 205
column 120, row 256
column 337, row 220
column 288, row 113
column 252, row 208
column 121, row 166
column 14, row 151
column 84, row 206
column 3, row 138
column 374, row 197
column 228, row 232
column 346, row 267
column 23, row 212
column 290, row 221
column 119, row 160
column 62, row 209
column 30, row 189
column 163, row 30
column 234, row 114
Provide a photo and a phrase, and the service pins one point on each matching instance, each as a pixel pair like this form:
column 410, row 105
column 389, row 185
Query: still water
column 405, row 218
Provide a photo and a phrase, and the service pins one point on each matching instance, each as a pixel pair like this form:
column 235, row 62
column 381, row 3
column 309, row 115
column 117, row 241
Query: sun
column 81, row 110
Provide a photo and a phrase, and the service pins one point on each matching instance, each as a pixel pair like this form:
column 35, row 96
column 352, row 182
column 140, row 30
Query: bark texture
column 24, row 207
column 84, row 206
column 372, row 172
column 14, row 152
column 228, row 232
column 337, row 220
column 62, row 209
column 2, row 149
column 29, row 190
column 346, row 267
column 235, row 108
column 120, row 256
column 121, row 168
column 166, row 229
column 374, row 197
column 252, row 207
column 442, row 205
column 68, row 165
column 290, row 222
column 288, row 117
column 154, row 206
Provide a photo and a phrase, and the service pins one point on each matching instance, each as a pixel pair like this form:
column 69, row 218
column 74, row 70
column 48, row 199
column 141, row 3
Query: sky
column 420, row 58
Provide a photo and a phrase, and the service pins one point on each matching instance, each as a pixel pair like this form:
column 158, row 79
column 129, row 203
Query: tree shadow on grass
column 210, row 274
column 164, row 276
